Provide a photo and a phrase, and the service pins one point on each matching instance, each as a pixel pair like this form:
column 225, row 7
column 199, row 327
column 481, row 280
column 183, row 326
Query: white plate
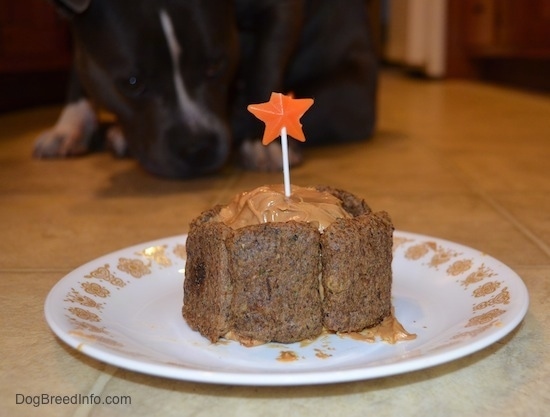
column 125, row 309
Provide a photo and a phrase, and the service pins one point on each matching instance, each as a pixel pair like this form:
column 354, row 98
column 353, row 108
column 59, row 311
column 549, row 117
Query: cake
column 270, row 268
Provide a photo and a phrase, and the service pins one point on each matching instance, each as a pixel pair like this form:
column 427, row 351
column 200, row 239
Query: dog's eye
column 132, row 87
column 216, row 68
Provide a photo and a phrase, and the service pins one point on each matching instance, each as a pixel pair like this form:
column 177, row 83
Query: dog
column 179, row 74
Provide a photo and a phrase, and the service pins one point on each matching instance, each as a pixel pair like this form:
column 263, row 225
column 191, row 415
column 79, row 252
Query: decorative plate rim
column 79, row 310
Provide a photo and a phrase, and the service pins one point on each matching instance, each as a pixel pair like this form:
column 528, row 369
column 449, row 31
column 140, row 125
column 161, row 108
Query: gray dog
column 179, row 74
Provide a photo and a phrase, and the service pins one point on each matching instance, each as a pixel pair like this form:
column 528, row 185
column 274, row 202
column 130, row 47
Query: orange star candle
column 281, row 111
column 281, row 115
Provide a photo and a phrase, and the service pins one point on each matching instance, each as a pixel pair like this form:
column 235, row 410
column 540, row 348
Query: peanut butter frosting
column 268, row 203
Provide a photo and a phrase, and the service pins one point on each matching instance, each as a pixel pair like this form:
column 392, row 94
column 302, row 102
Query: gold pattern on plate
column 485, row 317
column 486, row 289
column 419, row 250
column 441, row 256
column 108, row 341
column 446, row 345
column 459, row 267
column 399, row 241
column 105, row 274
column 156, row 254
column 180, row 251
column 134, row 267
column 131, row 353
column 478, row 275
column 474, row 332
column 95, row 289
column 102, row 340
column 82, row 325
column 85, row 301
column 84, row 314
column 501, row 298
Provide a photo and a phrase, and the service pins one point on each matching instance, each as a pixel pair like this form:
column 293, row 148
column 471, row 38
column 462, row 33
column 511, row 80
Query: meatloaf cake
column 267, row 268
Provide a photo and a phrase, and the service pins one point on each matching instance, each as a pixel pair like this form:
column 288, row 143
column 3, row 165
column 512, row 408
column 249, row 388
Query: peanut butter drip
column 269, row 204
column 389, row 330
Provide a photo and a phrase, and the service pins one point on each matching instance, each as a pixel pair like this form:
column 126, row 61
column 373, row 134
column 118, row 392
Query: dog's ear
column 73, row 6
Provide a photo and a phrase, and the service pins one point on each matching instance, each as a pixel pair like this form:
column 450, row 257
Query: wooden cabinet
column 500, row 40
column 508, row 28
column 35, row 54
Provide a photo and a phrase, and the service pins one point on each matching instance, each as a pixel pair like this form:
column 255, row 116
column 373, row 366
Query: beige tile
column 98, row 175
column 457, row 115
column 65, row 231
column 465, row 219
column 61, row 213
column 34, row 361
column 503, row 171
column 531, row 213
column 380, row 166
column 25, row 124
column 457, row 160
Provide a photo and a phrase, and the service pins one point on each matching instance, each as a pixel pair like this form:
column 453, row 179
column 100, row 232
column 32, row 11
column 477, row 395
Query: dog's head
column 163, row 68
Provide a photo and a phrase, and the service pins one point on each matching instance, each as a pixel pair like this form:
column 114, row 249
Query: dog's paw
column 58, row 142
column 71, row 135
column 116, row 141
column 253, row 155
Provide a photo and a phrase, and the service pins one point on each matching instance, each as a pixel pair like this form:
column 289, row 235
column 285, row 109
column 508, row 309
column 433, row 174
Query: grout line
column 97, row 389
column 518, row 224
column 502, row 210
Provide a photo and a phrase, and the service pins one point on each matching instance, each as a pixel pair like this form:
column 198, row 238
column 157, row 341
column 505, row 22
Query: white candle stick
column 286, row 167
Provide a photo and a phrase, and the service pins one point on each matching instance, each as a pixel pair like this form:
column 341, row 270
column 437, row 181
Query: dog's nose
column 181, row 155
column 201, row 152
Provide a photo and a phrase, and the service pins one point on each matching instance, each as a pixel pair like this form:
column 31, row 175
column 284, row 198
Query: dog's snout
column 183, row 155
column 199, row 151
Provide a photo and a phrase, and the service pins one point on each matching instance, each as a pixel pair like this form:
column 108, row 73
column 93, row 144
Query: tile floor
column 462, row 161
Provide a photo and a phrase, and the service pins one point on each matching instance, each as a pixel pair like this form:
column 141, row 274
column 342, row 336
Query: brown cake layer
column 357, row 275
column 276, row 286
column 284, row 282
column 207, row 286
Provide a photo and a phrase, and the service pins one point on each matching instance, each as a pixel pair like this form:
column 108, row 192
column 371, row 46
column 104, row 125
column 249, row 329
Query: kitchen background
column 500, row 41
